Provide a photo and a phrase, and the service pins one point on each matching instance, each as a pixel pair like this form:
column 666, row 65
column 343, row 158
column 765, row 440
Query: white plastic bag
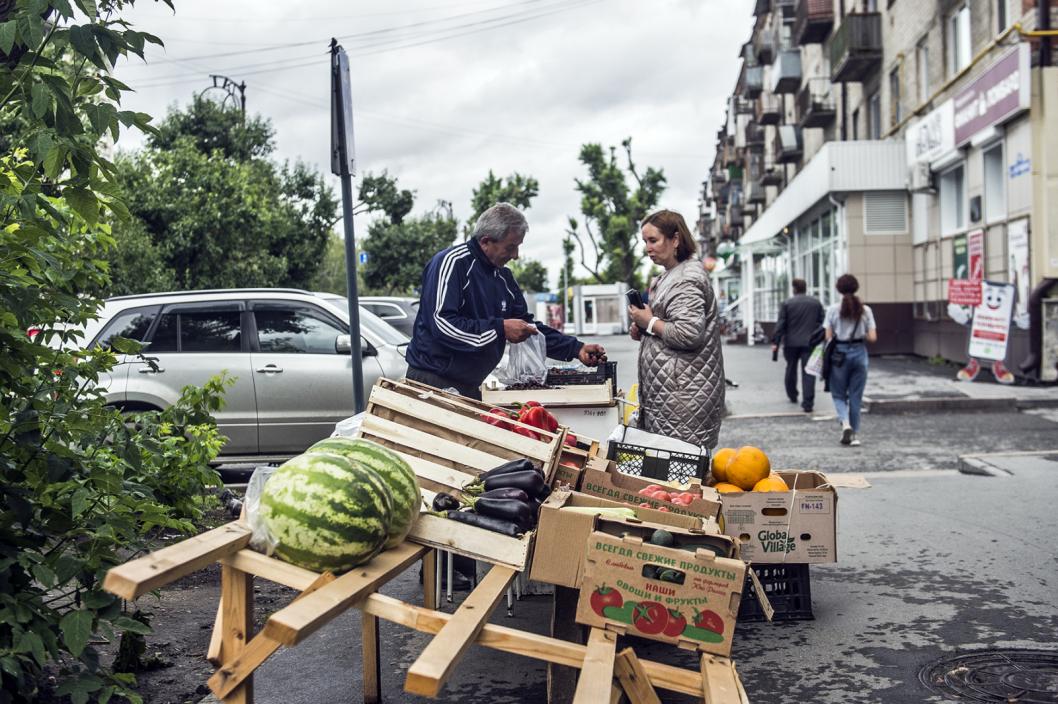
column 527, row 362
column 814, row 365
column 261, row 539
column 349, row 427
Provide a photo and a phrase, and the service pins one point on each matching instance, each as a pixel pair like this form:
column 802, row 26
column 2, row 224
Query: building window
column 894, row 97
column 922, row 64
column 995, row 185
column 952, row 200
column 815, row 256
column 885, row 212
column 958, row 39
column 1001, row 15
column 856, row 123
column 874, row 116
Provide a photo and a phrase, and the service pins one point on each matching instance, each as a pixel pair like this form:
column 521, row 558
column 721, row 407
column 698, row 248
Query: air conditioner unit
column 920, row 178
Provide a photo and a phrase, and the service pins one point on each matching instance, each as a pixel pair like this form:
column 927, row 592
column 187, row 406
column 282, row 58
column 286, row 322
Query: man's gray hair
column 499, row 221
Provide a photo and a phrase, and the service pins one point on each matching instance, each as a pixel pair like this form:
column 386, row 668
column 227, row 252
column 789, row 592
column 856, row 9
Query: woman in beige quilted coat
column 681, row 367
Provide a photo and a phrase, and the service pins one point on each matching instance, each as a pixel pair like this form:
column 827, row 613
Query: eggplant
column 507, row 493
column 544, row 493
column 519, row 465
column 529, row 482
column 497, row 525
column 512, row 510
column 445, row 502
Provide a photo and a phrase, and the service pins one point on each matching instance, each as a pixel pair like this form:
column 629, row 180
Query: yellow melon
column 747, row 467
column 772, row 482
column 720, row 459
column 725, row 488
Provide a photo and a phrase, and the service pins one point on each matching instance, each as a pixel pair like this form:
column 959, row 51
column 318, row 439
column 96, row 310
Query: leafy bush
column 82, row 487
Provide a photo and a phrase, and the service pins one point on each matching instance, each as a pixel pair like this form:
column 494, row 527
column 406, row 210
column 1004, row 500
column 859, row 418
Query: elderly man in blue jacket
column 471, row 307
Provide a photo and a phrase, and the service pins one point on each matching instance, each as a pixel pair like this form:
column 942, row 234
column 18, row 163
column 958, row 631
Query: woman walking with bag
column 681, row 366
column 850, row 324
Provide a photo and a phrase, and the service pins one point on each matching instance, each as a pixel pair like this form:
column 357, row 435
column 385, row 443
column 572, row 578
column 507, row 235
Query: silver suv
column 287, row 349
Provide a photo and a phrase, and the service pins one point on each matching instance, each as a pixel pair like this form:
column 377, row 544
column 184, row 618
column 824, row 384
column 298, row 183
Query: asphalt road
column 931, row 563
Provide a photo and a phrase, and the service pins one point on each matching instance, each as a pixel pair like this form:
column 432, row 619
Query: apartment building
column 898, row 140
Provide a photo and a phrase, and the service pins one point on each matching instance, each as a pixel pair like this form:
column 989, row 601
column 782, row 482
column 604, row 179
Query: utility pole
column 343, row 165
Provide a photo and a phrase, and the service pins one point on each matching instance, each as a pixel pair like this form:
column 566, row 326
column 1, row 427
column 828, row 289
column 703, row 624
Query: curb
column 1027, row 404
column 980, row 468
column 954, row 403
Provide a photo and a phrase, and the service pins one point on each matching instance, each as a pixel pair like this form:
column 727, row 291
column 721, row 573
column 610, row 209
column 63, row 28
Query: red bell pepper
column 498, row 417
column 570, row 440
column 526, row 432
column 538, row 417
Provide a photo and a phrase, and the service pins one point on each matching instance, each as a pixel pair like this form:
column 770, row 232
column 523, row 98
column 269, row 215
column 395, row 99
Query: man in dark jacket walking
column 800, row 317
column 471, row 307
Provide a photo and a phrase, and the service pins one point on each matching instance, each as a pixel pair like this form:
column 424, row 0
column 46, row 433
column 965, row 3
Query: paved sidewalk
column 894, row 385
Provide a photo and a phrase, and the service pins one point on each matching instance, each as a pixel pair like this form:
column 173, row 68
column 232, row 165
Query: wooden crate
column 238, row 651
column 449, row 430
column 576, row 395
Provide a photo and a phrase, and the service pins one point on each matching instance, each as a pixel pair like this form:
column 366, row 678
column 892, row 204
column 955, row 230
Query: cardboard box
column 667, row 594
column 561, row 536
column 593, row 421
column 601, row 478
column 799, row 525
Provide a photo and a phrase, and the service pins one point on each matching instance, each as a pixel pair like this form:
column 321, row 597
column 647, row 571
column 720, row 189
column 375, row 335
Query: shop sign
column 933, row 136
column 975, row 255
column 991, row 324
column 964, row 292
column 995, row 96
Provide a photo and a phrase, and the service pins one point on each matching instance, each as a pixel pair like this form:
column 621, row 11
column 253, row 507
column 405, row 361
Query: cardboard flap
column 762, row 598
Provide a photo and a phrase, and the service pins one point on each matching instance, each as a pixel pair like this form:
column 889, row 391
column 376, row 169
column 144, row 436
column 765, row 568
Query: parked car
column 395, row 310
column 287, row 349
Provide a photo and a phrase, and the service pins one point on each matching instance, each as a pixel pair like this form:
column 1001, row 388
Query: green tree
column 530, row 274
column 612, row 212
column 81, row 487
column 217, row 211
column 518, row 190
column 398, row 253
column 381, row 193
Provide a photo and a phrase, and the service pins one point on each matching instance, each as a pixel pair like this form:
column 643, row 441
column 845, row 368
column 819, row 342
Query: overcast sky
column 445, row 91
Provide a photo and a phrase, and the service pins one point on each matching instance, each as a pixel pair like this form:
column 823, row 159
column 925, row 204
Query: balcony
column 768, row 109
column 856, row 47
column 761, row 7
column 764, row 46
column 744, row 106
column 754, row 83
column 788, row 146
column 754, row 137
column 755, row 192
column 815, row 103
column 772, row 174
column 814, row 20
column 786, row 73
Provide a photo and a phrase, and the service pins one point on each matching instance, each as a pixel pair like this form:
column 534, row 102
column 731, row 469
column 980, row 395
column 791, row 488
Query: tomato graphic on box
column 650, row 618
column 709, row 621
column 676, row 623
column 605, row 596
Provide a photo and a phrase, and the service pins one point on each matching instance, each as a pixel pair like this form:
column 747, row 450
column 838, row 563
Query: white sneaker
column 855, row 442
column 846, row 433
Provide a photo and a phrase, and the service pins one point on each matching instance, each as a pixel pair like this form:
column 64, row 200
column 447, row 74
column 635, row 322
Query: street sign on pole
column 363, row 257
column 342, row 165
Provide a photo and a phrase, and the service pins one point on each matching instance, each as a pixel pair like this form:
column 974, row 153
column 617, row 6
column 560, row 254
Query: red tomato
column 662, row 495
column 677, row 622
column 645, row 504
column 605, row 596
column 710, row 621
column 650, row 618
column 663, row 508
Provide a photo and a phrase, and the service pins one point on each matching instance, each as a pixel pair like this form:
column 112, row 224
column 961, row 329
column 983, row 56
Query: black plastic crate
column 585, row 377
column 650, row 463
column 788, row 589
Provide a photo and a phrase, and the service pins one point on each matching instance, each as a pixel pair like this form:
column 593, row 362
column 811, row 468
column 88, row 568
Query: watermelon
column 326, row 512
column 395, row 472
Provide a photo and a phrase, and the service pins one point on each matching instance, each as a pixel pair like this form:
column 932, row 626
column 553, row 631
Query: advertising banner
column 991, row 322
column 975, row 255
column 995, row 96
column 1018, row 269
column 960, row 265
column 964, row 292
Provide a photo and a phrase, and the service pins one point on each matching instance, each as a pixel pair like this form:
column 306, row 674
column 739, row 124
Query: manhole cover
column 996, row 676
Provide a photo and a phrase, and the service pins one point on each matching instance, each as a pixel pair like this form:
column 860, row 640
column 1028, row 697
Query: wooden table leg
column 596, row 677
column 562, row 680
column 634, row 679
column 372, row 661
column 236, row 594
column 429, row 570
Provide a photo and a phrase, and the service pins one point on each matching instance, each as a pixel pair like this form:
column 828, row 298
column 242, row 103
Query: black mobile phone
column 634, row 298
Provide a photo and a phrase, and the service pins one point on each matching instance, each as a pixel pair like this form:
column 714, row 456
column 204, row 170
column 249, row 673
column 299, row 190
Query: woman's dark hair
column 851, row 306
column 671, row 224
